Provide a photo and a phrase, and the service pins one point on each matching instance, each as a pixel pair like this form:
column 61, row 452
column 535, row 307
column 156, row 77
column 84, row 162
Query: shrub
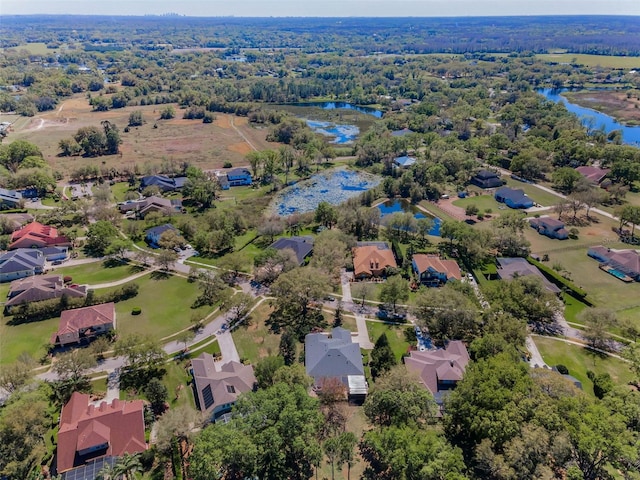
column 136, row 311
column 227, row 165
column 562, row 369
column 67, row 279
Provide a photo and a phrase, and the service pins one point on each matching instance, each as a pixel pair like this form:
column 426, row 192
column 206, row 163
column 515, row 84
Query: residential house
column 487, row 179
column 14, row 221
column 513, row 198
column 217, row 386
column 88, row 432
column 152, row 236
column 38, row 288
column 433, row 271
column 21, row 263
column 165, row 184
column 404, row 161
column 549, row 227
column 439, row 370
column 336, row 356
column 512, row 267
column 371, row 260
column 594, row 174
column 625, row 261
column 37, row 235
column 55, row 254
column 10, row 198
column 301, row 246
column 150, row 204
column 81, row 325
column 238, row 177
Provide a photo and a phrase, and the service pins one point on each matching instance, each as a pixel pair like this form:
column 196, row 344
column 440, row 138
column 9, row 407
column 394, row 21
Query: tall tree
column 395, row 289
column 382, row 357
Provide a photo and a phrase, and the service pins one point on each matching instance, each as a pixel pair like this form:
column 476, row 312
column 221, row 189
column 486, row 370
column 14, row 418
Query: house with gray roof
column 165, row 184
column 512, row 267
column 21, row 263
column 217, row 386
column 301, row 246
column 335, row 356
column 38, row 288
column 10, row 198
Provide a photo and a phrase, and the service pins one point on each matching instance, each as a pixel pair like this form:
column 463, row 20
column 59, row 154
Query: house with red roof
column 83, row 324
column 37, row 235
column 88, row 432
column 593, row 174
column 439, row 370
column 434, row 271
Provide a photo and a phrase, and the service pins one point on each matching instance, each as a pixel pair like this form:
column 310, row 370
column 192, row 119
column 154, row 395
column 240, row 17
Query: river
column 593, row 119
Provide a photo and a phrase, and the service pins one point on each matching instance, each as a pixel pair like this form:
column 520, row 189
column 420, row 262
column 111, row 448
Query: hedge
column 559, row 280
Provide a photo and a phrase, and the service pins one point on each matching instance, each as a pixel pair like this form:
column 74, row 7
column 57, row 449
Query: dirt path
column 233, row 125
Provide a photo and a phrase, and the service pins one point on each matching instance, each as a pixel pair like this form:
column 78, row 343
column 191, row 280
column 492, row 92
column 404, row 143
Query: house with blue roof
column 10, row 198
column 21, row 263
column 165, row 184
column 152, row 236
column 238, row 177
column 404, row 161
column 513, row 198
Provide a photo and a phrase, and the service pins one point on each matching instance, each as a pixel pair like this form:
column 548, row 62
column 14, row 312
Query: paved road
column 535, row 359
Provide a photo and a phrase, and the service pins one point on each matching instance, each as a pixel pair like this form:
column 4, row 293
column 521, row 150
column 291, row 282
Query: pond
column 341, row 133
column 343, row 106
column 400, row 205
column 335, row 187
column 593, row 119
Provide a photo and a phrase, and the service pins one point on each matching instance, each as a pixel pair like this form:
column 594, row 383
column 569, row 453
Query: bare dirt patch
column 241, row 148
column 616, row 104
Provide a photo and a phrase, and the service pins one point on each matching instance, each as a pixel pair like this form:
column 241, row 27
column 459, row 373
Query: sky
column 323, row 8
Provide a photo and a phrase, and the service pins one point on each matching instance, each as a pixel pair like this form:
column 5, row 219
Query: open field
column 35, row 48
column 592, row 60
column 166, row 306
column 395, row 335
column 97, row 272
column 175, row 141
column 617, row 104
column 32, row 338
column 578, row 360
column 483, row 202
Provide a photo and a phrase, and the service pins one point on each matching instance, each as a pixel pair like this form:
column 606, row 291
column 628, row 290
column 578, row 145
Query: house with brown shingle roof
column 37, row 235
column 434, row 271
column 88, row 432
column 217, row 386
column 439, row 370
column 371, row 260
column 593, row 174
column 38, row 288
column 84, row 324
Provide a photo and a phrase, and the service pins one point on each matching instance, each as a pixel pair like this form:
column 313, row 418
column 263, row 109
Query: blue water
column 343, row 106
column 394, row 206
column 617, row 274
column 341, row 133
column 593, row 119
column 334, row 187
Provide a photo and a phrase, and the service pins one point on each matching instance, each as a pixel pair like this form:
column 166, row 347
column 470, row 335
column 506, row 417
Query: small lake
column 403, row 206
column 341, row 105
column 593, row 119
column 341, row 134
column 335, row 187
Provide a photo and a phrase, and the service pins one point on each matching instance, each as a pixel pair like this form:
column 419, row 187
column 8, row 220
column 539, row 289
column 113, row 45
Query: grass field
column 227, row 139
column 395, row 335
column 166, row 306
column 36, row 48
column 578, row 360
column 256, row 341
column 539, row 196
column 592, row 60
column 97, row 272
column 483, row 202
column 32, row 338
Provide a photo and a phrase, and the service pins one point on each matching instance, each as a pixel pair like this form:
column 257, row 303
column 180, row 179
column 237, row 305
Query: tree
column 13, row 154
column 167, row 113
column 212, row 288
column 330, row 250
column 157, row 394
column 361, row 290
column 591, row 197
column 266, row 369
column 382, row 357
column 135, row 118
column 471, row 210
column 238, row 306
column 326, row 214
column 565, row 179
column 395, row 289
column 14, row 376
column 234, row 263
column 170, row 239
column 71, row 368
column 407, row 453
column 287, row 349
column 398, row 398
column 118, row 248
column 631, row 353
column 598, row 322
column 177, row 425
column 100, row 236
column 166, row 258
column 339, row 449
column 140, row 352
column 201, row 190
column 128, row 465
column 274, row 434
column 447, row 313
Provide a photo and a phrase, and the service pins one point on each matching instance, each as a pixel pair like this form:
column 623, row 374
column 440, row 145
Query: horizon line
column 180, row 15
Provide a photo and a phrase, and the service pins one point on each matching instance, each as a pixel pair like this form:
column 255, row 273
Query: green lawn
column 395, row 335
column 612, row 61
column 483, row 202
column 572, row 308
column 539, row 196
column 32, row 338
column 166, row 306
column 120, row 189
column 97, row 272
column 435, row 210
column 578, row 360
column 256, row 340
